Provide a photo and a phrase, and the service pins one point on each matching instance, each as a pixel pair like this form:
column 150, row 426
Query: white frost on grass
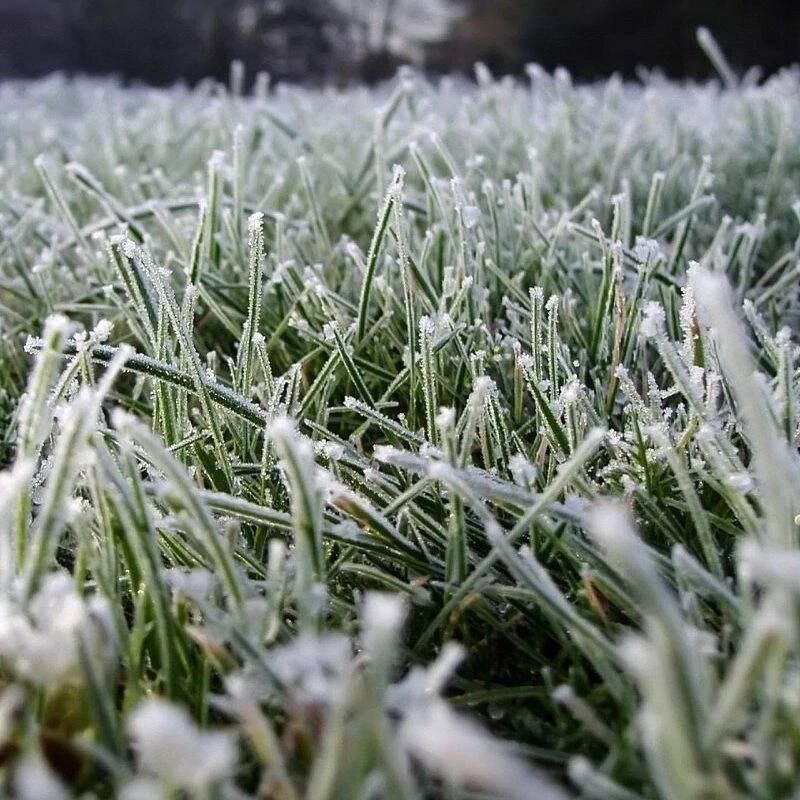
column 41, row 644
column 464, row 754
column 171, row 747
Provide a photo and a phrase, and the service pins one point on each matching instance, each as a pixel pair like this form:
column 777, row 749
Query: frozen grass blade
column 375, row 250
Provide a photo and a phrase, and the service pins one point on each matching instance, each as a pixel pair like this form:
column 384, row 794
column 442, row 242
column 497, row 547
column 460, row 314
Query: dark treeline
column 161, row 41
column 595, row 38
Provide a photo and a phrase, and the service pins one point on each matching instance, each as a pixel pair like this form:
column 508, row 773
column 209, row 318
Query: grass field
column 436, row 440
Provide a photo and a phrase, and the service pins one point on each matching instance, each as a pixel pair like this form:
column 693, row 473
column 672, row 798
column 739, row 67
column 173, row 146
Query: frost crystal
column 381, row 617
column 312, row 668
column 34, row 780
column 470, row 215
column 254, row 222
column 653, row 320
column 170, row 746
column 102, row 330
column 42, row 645
column 465, row 755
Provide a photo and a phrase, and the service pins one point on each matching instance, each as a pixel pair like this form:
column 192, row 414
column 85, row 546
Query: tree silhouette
column 594, row 38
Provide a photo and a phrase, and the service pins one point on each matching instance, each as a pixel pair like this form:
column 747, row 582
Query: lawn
column 437, row 440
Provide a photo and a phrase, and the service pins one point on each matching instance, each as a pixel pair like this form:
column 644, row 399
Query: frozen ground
column 494, row 498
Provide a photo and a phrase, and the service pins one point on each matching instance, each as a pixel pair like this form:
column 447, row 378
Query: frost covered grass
column 428, row 441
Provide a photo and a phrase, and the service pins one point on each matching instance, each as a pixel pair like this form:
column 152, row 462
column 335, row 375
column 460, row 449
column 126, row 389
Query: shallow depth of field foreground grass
column 425, row 442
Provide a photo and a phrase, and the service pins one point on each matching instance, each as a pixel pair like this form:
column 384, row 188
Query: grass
column 426, row 441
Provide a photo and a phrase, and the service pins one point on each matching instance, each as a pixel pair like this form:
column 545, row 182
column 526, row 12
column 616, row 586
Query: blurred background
column 342, row 41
